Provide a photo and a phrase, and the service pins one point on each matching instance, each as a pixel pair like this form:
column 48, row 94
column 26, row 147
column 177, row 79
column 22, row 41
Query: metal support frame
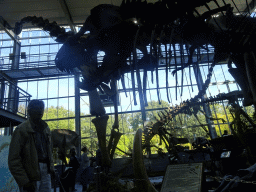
column 13, row 96
column 66, row 11
column 251, row 8
column 7, row 28
column 77, row 113
column 2, row 90
column 206, row 106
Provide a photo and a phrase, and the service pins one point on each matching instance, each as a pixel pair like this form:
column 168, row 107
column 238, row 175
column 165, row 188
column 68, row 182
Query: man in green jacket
column 30, row 153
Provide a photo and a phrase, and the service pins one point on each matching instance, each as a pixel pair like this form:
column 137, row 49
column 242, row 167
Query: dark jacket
column 74, row 163
column 23, row 159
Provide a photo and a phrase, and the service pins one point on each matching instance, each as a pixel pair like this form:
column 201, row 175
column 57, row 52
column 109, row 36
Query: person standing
column 84, row 158
column 75, row 165
column 30, row 158
column 84, row 169
column 225, row 133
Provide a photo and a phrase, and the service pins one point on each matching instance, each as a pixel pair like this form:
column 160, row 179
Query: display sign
column 183, row 177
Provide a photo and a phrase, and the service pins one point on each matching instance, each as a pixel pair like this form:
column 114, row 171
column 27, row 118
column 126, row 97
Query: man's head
column 36, row 110
column 72, row 152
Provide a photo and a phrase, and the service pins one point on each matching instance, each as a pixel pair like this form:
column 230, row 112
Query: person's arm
column 14, row 159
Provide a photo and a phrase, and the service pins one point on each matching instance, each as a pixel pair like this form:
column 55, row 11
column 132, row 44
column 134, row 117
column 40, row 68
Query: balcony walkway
column 8, row 118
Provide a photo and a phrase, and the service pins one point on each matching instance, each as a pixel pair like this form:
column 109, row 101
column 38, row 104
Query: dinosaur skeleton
column 143, row 137
column 120, row 30
column 113, row 30
column 189, row 107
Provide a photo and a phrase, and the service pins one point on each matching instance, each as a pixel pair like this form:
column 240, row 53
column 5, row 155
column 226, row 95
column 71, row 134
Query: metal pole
column 77, row 114
column 2, row 94
column 13, row 100
column 206, row 106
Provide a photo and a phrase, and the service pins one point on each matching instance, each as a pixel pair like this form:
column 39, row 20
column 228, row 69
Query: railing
column 13, row 98
column 48, row 59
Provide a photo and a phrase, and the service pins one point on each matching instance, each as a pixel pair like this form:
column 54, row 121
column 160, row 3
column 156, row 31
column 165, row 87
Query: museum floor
column 78, row 188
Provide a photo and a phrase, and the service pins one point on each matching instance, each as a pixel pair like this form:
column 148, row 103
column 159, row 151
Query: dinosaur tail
column 53, row 28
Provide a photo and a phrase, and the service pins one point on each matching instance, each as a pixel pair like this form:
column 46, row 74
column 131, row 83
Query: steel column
column 77, row 113
column 206, row 106
column 7, row 28
column 251, row 7
column 13, row 95
column 2, row 94
column 67, row 13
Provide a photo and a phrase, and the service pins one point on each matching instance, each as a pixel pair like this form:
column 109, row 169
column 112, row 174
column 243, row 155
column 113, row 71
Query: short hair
column 35, row 103
column 72, row 151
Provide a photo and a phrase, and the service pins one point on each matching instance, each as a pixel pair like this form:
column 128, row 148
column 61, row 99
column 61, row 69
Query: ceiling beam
column 66, row 11
column 251, row 6
column 7, row 28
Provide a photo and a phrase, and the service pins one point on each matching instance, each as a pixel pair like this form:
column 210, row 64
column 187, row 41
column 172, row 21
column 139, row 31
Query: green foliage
column 59, row 112
column 155, row 142
column 183, row 125
column 125, row 144
column 135, row 119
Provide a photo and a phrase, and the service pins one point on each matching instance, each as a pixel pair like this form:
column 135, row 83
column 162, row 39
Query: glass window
column 71, row 87
column 44, row 58
column 42, row 89
column 54, row 48
column 63, row 86
column 34, row 41
column 5, row 51
column 24, row 34
column 34, row 50
column 7, row 43
column 44, row 49
column 52, row 103
column 23, row 85
column 36, row 33
column 53, row 88
column 71, row 107
column 32, row 89
column 63, row 108
column 5, row 36
column 25, row 42
column 51, row 40
column 85, row 106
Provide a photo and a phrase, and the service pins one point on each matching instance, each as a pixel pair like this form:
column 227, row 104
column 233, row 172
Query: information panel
column 183, row 177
